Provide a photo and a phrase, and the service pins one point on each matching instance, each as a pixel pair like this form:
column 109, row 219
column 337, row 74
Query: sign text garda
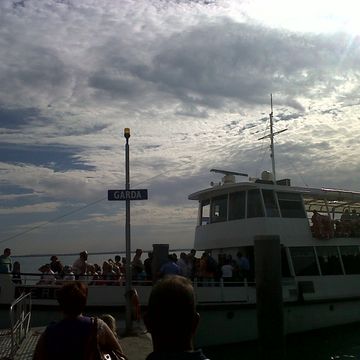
column 136, row 194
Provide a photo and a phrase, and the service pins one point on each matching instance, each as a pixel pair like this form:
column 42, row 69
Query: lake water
column 336, row 343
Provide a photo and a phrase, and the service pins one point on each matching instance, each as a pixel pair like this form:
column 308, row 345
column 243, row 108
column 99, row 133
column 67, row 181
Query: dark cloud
column 288, row 117
column 15, row 189
column 191, row 111
column 15, row 118
column 56, row 157
column 115, row 86
column 210, row 64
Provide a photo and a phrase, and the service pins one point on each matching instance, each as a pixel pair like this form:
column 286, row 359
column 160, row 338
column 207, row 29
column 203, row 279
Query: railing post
column 22, row 307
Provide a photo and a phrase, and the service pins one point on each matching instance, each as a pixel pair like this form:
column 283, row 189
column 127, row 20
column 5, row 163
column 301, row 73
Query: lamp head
column 127, row 133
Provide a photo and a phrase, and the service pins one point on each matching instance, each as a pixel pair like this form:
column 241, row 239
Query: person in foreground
column 172, row 320
column 74, row 336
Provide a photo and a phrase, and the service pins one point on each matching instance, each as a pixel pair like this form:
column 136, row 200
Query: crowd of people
column 204, row 270
column 323, row 227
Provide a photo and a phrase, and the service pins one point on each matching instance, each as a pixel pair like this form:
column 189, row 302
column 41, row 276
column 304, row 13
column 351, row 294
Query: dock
column 135, row 347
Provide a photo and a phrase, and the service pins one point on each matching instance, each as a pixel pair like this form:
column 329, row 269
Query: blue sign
column 137, row 194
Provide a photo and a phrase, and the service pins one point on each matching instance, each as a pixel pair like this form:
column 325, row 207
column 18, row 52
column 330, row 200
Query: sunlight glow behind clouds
column 307, row 16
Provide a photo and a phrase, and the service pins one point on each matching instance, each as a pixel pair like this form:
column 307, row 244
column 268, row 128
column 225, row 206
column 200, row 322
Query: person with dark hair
column 5, row 262
column 73, row 337
column 16, row 273
column 137, row 266
column 148, row 265
column 172, row 320
column 170, row 267
column 56, row 265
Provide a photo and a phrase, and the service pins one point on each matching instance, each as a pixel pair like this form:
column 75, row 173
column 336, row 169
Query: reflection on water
column 336, row 343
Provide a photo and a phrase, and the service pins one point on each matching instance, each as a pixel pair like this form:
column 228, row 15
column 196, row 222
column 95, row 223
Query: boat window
column 304, row 261
column 291, row 205
column 254, row 204
column 270, row 203
column 285, row 269
column 329, row 260
column 219, row 209
column 350, row 256
column 205, row 212
column 237, row 205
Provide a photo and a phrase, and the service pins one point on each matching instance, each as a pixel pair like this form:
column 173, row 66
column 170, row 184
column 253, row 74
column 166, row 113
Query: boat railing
column 220, row 291
column 31, row 279
column 20, row 317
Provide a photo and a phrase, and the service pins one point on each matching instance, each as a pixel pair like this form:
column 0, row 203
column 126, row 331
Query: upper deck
column 232, row 214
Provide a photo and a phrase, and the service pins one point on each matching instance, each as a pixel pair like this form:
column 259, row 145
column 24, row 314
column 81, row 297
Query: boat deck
column 135, row 347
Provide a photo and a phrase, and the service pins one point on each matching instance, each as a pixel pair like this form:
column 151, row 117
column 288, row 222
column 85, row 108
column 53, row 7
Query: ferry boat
column 319, row 231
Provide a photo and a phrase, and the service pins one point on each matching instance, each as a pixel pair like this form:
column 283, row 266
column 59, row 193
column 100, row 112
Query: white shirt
column 227, row 271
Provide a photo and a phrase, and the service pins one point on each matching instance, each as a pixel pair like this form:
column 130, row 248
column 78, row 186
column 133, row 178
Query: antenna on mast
column 271, row 135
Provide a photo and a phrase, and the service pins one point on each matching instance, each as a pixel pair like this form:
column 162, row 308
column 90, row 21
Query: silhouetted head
column 171, row 315
column 72, row 298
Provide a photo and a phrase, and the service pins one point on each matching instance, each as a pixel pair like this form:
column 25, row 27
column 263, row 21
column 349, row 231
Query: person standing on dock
column 6, row 262
column 75, row 336
column 172, row 320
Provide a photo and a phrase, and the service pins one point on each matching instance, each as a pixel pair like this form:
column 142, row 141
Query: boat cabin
column 319, row 229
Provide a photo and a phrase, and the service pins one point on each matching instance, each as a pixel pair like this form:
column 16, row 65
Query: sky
column 192, row 80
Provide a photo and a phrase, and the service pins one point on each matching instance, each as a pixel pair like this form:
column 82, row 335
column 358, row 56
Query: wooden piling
column 269, row 303
column 160, row 256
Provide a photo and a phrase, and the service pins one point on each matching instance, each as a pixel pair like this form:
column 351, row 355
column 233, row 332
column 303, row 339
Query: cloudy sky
column 192, row 79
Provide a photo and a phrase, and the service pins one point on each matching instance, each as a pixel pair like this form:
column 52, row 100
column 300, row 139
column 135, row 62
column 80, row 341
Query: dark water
column 340, row 343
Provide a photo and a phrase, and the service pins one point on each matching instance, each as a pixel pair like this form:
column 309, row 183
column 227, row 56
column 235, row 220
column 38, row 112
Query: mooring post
column 160, row 256
column 269, row 303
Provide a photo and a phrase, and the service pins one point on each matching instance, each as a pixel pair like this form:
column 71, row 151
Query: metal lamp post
column 127, row 237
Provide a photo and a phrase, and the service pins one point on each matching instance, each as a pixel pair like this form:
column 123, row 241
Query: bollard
column 269, row 303
column 160, row 256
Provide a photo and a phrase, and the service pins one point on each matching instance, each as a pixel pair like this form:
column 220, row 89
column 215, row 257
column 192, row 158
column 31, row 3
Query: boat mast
column 271, row 136
column 272, row 152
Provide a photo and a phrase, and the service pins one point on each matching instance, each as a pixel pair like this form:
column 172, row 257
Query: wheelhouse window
column 219, row 209
column 271, row 207
column 350, row 256
column 237, row 205
column 291, row 205
column 304, row 261
column 329, row 260
column 205, row 212
column 254, row 204
column 285, row 269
